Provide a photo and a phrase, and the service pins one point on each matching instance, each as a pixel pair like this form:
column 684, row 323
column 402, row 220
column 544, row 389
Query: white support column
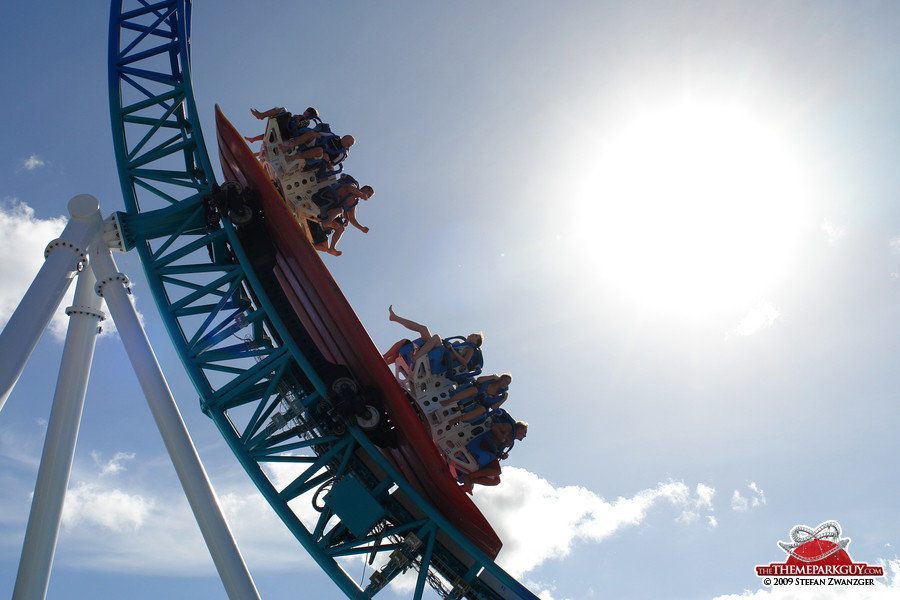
column 28, row 322
column 59, row 445
column 113, row 286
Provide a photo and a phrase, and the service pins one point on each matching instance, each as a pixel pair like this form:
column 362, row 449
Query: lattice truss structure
column 258, row 377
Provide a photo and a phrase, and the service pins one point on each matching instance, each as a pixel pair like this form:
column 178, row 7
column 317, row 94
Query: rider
column 492, row 446
column 344, row 196
column 463, row 353
column 291, row 125
column 486, row 393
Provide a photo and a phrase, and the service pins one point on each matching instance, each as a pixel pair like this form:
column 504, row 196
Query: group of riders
column 305, row 137
column 475, row 400
column 474, row 403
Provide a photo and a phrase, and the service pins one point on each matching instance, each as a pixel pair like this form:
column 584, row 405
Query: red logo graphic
column 819, row 552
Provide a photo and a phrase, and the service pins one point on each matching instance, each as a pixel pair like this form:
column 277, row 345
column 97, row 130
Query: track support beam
column 59, row 445
column 64, row 256
column 84, row 237
column 113, row 287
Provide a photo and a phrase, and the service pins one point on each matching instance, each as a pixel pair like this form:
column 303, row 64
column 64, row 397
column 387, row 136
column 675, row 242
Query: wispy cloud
column 117, row 523
column 113, row 466
column 755, row 499
column 25, row 237
column 136, row 519
column 538, row 521
column 762, row 316
column 32, row 162
column 703, row 503
column 115, row 510
column 705, row 495
column 114, row 521
column 833, row 232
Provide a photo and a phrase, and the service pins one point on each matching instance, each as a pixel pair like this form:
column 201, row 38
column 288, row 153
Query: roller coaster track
column 258, row 375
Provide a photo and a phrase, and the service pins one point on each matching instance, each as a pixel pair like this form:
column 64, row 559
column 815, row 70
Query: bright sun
column 697, row 209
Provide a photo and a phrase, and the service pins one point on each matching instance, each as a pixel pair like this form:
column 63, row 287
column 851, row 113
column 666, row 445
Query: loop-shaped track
column 258, row 376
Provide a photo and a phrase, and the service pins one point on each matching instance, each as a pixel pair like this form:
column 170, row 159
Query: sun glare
column 696, row 209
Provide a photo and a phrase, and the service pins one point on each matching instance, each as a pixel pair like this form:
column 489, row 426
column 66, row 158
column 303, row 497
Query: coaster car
column 300, row 181
column 431, row 380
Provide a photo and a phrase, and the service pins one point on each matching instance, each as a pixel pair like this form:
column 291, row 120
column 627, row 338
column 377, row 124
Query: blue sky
column 677, row 224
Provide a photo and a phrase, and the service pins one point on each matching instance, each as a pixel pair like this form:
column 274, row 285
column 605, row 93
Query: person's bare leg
column 422, row 330
column 429, row 345
column 391, row 355
column 467, row 416
column 311, row 154
column 335, row 237
column 460, row 395
column 304, row 139
column 266, row 114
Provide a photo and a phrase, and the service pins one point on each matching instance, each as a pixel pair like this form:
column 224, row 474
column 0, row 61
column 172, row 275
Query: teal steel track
column 263, row 385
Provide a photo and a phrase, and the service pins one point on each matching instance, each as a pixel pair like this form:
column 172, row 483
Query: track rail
column 259, row 376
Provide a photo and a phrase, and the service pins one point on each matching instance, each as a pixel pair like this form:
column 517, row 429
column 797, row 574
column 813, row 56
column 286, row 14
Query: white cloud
column 112, row 509
column 760, row 317
column 114, row 465
column 137, row 520
column 759, row 495
column 281, row 474
column 705, row 495
column 704, row 501
column 32, row 162
column 539, row 521
column 739, row 503
column 116, row 521
column 25, row 237
column 757, row 498
column 892, row 570
column 832, row 232
column 121, row 524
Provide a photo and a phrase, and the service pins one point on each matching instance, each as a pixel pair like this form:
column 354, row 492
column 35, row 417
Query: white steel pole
column 59, row 445
column 113, row 286
column 28, row 322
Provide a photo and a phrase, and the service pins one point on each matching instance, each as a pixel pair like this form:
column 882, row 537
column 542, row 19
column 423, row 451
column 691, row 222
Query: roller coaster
column 280, row 362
